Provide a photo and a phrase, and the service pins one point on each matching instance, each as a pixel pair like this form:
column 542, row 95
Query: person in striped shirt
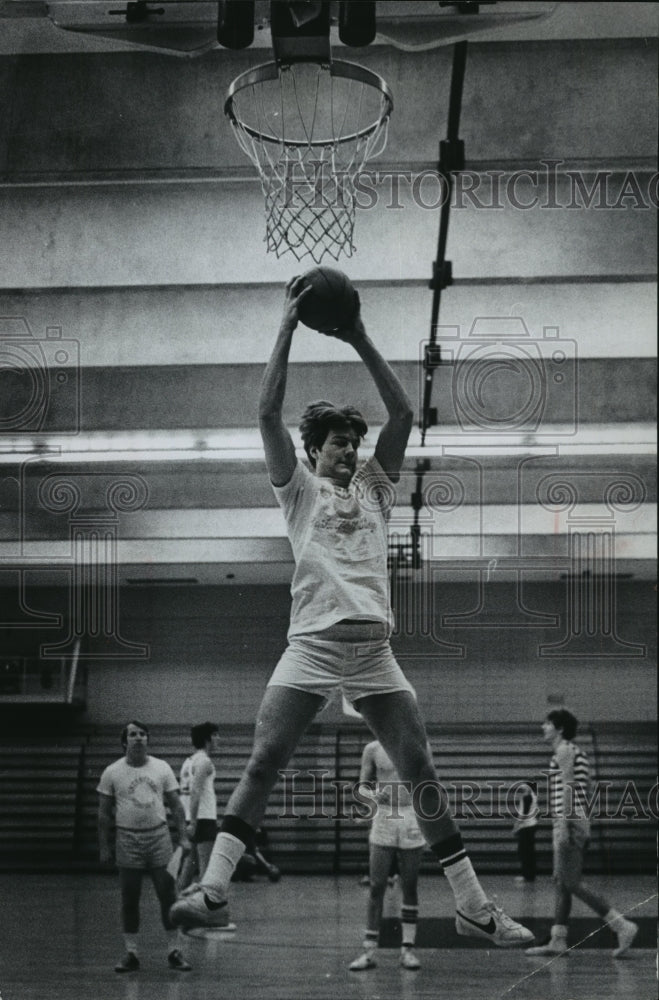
column 569, row 782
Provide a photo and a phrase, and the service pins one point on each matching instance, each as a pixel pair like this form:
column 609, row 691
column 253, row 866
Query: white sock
column 227, row 852
column 408, row 920
column 370, row 942
column 559, row 931
column 466, row 888
column 130, row 942
column 614, row 917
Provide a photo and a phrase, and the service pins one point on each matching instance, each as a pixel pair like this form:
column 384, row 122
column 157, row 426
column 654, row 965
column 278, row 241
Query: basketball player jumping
column 341, row 620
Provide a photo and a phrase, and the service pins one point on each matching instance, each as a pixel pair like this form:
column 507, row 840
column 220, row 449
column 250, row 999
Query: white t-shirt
column 185, row 779
column 339, row 541
column 138, row 792
column 207, row 801
column 384, row 773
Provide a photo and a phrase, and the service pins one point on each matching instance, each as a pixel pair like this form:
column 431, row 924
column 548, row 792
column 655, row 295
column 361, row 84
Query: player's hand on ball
column 350, row 334
column 295, row 292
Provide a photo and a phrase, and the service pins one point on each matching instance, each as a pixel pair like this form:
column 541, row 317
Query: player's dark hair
column 201, row 734
column 124, row 731
column 321, row 417
column 565, row 721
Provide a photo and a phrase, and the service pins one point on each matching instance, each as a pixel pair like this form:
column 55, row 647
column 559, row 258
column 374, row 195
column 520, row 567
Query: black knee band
column 450, row 850
column 237, row 827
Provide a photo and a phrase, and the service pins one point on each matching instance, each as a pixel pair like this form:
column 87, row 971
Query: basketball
column 332, row 303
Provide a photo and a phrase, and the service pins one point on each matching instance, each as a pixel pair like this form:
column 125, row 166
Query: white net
column 309, row 129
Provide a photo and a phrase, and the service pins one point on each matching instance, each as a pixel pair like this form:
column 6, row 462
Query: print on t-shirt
column 143, row 792
column 339, row 523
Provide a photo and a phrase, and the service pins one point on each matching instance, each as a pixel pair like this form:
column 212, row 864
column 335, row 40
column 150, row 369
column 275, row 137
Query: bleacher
column 39, row 784
column 48, row 798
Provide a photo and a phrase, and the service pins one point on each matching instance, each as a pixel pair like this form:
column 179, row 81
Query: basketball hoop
column 309, row 128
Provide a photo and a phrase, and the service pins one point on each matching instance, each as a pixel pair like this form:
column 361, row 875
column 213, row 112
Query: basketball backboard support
column 189, row 27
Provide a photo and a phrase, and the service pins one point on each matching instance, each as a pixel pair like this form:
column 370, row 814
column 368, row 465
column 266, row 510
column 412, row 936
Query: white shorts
column 143, row 848
column 323, row 667
column 400, row 831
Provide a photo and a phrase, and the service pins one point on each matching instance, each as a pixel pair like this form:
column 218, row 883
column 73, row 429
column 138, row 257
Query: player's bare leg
column 283, row 717
column 379, row 866
column 409, row 862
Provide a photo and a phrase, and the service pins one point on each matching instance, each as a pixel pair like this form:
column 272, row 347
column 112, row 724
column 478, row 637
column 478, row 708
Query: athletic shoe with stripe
column 191, row 910
column 492, row 924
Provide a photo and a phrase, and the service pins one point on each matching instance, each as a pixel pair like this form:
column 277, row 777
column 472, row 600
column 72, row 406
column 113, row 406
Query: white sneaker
column 626, row 932
column 494, row 925
column 365, row 961
column 191, row 910
column 554, row 946
column 408, row 959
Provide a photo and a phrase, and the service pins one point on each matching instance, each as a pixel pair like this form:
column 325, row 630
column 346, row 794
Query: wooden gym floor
column 295, row 939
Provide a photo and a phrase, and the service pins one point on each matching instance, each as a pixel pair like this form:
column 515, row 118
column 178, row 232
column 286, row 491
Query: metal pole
column 451, row 160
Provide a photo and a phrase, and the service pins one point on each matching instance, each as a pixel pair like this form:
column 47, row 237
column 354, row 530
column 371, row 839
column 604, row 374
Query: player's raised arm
column 392, row 440
column 279, row 448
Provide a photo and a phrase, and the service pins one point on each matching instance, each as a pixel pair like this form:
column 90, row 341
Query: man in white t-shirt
column 134, row 795
column 341, row 619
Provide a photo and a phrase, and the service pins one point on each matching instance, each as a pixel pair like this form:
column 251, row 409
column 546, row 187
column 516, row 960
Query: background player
column 134, row 794
column 341, row 620
column 189, row 866
column 199, row 799
column 394, row 832
column 569, row 780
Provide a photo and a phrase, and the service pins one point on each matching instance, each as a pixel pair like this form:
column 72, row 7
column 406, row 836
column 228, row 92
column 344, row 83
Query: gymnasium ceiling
column 101, row 174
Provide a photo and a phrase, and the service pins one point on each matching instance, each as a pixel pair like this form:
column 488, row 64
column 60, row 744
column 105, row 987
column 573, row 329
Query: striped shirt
column 569, row 781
